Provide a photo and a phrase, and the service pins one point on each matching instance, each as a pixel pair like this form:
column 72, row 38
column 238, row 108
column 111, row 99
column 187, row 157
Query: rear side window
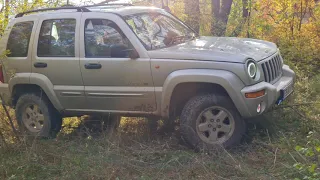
column 19, row 39
column 57, row 38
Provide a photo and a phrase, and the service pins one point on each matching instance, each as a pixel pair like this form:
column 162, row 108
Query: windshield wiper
column 180, row 39
column 177, row 38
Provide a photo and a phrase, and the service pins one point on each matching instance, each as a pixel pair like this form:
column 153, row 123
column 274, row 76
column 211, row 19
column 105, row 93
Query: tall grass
column 133, row 152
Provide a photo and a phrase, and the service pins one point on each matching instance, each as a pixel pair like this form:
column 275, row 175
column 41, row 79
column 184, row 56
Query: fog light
column 259, row 108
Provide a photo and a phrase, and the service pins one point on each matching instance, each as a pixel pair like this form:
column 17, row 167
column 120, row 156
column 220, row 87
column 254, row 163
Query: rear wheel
column 211, row 121
column 37, row 117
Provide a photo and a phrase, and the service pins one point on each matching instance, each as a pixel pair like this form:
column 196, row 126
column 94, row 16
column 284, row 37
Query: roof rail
column 109, row 4
column 79, row 9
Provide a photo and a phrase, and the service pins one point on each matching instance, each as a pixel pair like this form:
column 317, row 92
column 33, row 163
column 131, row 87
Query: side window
column 103, row 38
column 57, row 38
column 19, row 38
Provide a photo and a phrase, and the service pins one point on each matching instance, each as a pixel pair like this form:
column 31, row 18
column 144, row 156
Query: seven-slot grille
column 272, row 68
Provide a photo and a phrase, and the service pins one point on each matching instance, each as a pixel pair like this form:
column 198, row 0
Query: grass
column 267, row 152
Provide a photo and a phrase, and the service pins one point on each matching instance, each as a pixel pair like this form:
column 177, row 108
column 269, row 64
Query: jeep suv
column 137, row 61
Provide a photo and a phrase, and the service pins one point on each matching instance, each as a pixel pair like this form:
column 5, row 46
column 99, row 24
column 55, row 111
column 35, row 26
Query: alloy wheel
column 33, row 118
column 215, row 125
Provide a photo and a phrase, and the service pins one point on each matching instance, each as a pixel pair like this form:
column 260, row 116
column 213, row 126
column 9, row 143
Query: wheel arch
column 181, row 85
column 33, row 83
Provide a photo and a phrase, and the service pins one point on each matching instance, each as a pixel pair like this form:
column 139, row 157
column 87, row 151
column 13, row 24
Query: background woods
column 285, row 144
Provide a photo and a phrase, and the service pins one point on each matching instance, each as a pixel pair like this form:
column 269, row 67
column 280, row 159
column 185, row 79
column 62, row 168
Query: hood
column 227, row 49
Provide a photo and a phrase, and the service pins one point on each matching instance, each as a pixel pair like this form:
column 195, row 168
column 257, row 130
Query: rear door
column 56, row 56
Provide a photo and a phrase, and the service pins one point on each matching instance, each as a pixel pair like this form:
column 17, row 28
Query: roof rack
column 79, row 9
column 109, row 4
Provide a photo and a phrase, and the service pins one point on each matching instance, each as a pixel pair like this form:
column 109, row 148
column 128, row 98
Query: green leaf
column 318, row 148
column 312, row 168
column 309, row 153
column 298, row 166
column 298, row 148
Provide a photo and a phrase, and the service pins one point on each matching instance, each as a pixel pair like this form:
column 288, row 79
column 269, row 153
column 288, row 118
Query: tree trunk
column 246, row 12
column 220, row 13
column 245, row 9
column 6, row 16
column 192, row 10
column 215, row 8
column 7, row 10
column 225, row 10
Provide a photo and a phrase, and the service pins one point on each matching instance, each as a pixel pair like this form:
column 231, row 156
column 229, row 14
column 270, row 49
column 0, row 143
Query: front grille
column 272, row 68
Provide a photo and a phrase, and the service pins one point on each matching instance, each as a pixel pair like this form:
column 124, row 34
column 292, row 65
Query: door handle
column 93, row 66
column 40, row 65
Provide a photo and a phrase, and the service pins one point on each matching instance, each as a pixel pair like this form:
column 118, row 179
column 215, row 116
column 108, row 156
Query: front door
column 56, row 57
column 113, row 81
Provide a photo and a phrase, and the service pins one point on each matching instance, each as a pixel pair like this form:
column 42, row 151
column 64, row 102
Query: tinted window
column 103, row 38
column 19, row 39
column 57, row 38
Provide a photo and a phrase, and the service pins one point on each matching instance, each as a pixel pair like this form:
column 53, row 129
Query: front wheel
column 211, row 121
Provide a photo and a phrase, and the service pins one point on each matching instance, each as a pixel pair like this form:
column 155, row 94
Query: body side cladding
column 19, row 78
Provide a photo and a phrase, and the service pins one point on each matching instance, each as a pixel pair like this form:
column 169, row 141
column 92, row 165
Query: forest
column 284, row 143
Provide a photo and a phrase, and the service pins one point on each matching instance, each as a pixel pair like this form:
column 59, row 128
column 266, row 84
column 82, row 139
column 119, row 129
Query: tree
column 246, row 15
column 192, row 10
column 5, row 18
column 220, row 13
column 245, row 9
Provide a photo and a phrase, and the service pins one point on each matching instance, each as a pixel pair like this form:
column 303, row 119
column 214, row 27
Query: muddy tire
column 211, row 122
column 37, row 117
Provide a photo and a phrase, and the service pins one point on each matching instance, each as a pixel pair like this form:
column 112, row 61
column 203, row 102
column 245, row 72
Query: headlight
column 252, row 69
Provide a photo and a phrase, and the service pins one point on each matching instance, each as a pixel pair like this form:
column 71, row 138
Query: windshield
column 157, row 30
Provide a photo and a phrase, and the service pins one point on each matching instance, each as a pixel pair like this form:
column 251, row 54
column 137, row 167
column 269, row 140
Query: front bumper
column 272, row 93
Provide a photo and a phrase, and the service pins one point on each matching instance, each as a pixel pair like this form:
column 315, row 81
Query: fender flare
column 37, row 79
column 229, row 81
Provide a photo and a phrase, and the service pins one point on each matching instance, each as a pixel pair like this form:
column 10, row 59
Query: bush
column 309, row 166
